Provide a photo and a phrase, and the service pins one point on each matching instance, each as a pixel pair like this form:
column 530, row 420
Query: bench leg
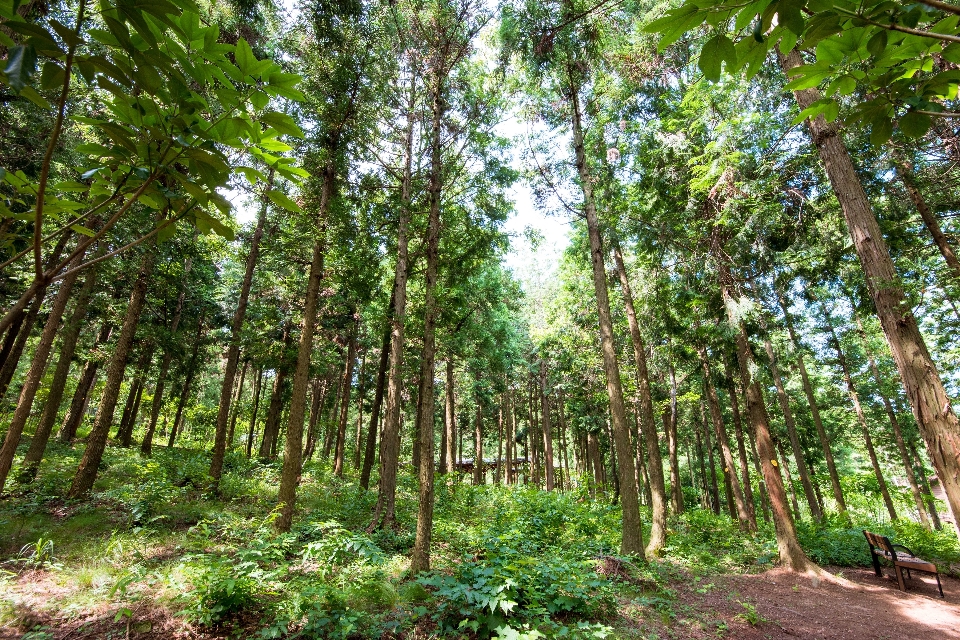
column 899, row 572
column 939, row 586
column 876, row 562
column 909, row 577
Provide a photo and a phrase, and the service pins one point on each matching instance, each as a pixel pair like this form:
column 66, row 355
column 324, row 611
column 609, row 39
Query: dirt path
column 781, row 605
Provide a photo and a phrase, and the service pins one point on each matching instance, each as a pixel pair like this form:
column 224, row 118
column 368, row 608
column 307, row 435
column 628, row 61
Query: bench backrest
column 880, row 542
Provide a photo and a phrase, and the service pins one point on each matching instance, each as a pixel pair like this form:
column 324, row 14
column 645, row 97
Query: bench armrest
column 907, row 549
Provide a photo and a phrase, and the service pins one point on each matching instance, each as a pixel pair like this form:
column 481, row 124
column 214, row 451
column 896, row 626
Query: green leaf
column 283, row 200
column 52, row 76
column 31, row 94
column 246, row 61
column 283, row 123
column 717, row 50
column 21, row 65
column 79, row 228
column 914, row 124
column 877, row 43
column 66, row 34
column 881, row 129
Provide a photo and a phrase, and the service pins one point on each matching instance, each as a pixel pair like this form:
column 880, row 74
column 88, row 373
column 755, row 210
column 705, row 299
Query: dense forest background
column 262, row 362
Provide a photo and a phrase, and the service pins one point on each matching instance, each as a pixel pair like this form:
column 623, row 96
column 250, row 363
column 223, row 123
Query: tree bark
column 390, row 438
column 928, row 398
column 743, row 514
column 369, row 450
column 905, row 173
column 129, row 419
column 257, row 390
column 346, row 386
column 97, row 440
column 792, row 433
column 187, row 383
column 235, row 408
column 233, row 351
column 632, row 541
column 81, row 395
column 741, row 448
column 545, row 422
column 815, row 413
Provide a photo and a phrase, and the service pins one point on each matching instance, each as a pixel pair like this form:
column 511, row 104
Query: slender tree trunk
column 658, row 497
column 792, row 555
column 905, row 173
column 390, row 439
column 545, row 421
column 35, row 374
column 938, row 423
column 187, row 383
column 670, row 426
column 897, row 433
column 714, row 486
column 318, row 397
column 361, row 393
column 632, row 541
column 346, row 387
column 563, row 443
column 741, row 448
column 97, row 440
column 925, row 486
column 68, row 346
column 791, row 487
column 743, row 514
column 792, row 433
column 369, row 450
column 81, row 395
column 478, row 471
column 235, row 408
column 233, row 351
column 815, row 413
column 420, row 558
column 705, row 495
column 257, row 390
column 129, row 420
column 861, row 417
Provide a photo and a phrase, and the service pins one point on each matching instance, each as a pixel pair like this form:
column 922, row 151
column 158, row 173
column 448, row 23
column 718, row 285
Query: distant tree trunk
column 68, row 345
column 545, row 421
column 632, row 541
column 498, row 477
column 563, row 442
column 369, row 450
column 346, row 386
column 135, row 386
column 257, row 389
column 81, row 395
column 792, row 555
column 790, row 486
column 129, row 419
column 235, row 409
column 233, row 350
column 938, row 423
column 478, row 471
column 741, row 448
column 146, row 445
column 97, row 440
column 187, row 383
column 271, row 426
column 594, row 461
column 861, row 417
column 711, row 463
column 905, row 173
column 925, row 486
column 815, row 413
column 318, row 395
column 670, row 426
column 735, row 494
column 895, row 426
column 390, row 438
column 361, row 393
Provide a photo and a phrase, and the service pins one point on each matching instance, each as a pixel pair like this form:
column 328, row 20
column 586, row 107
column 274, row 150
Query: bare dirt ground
column 773, row 605
column 777, row 605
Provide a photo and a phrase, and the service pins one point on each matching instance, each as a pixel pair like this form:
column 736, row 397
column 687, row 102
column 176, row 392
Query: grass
column 508, row 561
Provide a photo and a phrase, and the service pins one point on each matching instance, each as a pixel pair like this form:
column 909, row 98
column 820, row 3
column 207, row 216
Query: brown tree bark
column 235, row 405
column 547, row 431
column 187, row 388
column 97, row 440
column 791, row 425
column 68, row 346
column 34, row 377
column 905, row 173
column 741, row 447
column 369, row 450
column 658, row 494
column 711, row 462
column 361, row 396
column 632, row 541
column 233, row 351
column 815, row 413
column 390, row 438
column 743, row 513
column 478, row 470
column 81, row 395
column 271, row 427
column 257, row 390
column 938, row 423
column 346, row 386
column 129, row 419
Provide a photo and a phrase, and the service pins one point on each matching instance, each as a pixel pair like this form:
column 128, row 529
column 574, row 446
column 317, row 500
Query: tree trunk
column 361, row 393
column 257, row 390
column 97, row 440
column 235, row 408
column 233, row 351
column 478, row 471
column 792, row 433
column 931, row 404
column 390, row 438
column 905, row 173
column 925, row 486
column 129, row 419
column 68, row 346
column 318, row 396
column 815, row 413
column 346, row 387
column 712, row 464
column 741, row 448
column 369, row 450
column 658, row 497
column 187, row 383
column 670, row 426
column 545, row 422
column 35, row 374
column 563, row 443
column 632, row 541
column 792, row 555
column 81, row 395
column 743, row 514
column 790, row 486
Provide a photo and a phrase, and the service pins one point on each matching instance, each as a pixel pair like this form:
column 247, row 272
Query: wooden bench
column 880, row 546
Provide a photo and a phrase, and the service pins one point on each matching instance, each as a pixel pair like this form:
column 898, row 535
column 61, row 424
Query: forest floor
column 771, row 605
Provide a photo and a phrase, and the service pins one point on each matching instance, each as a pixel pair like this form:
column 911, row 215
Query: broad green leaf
column 283, row 200
column 282, row 122
column 20, row 67
column 246, row 61
column 881, row 129
column 877, row 43
column 79, row 228
column 914, row 124
column 31, row 94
